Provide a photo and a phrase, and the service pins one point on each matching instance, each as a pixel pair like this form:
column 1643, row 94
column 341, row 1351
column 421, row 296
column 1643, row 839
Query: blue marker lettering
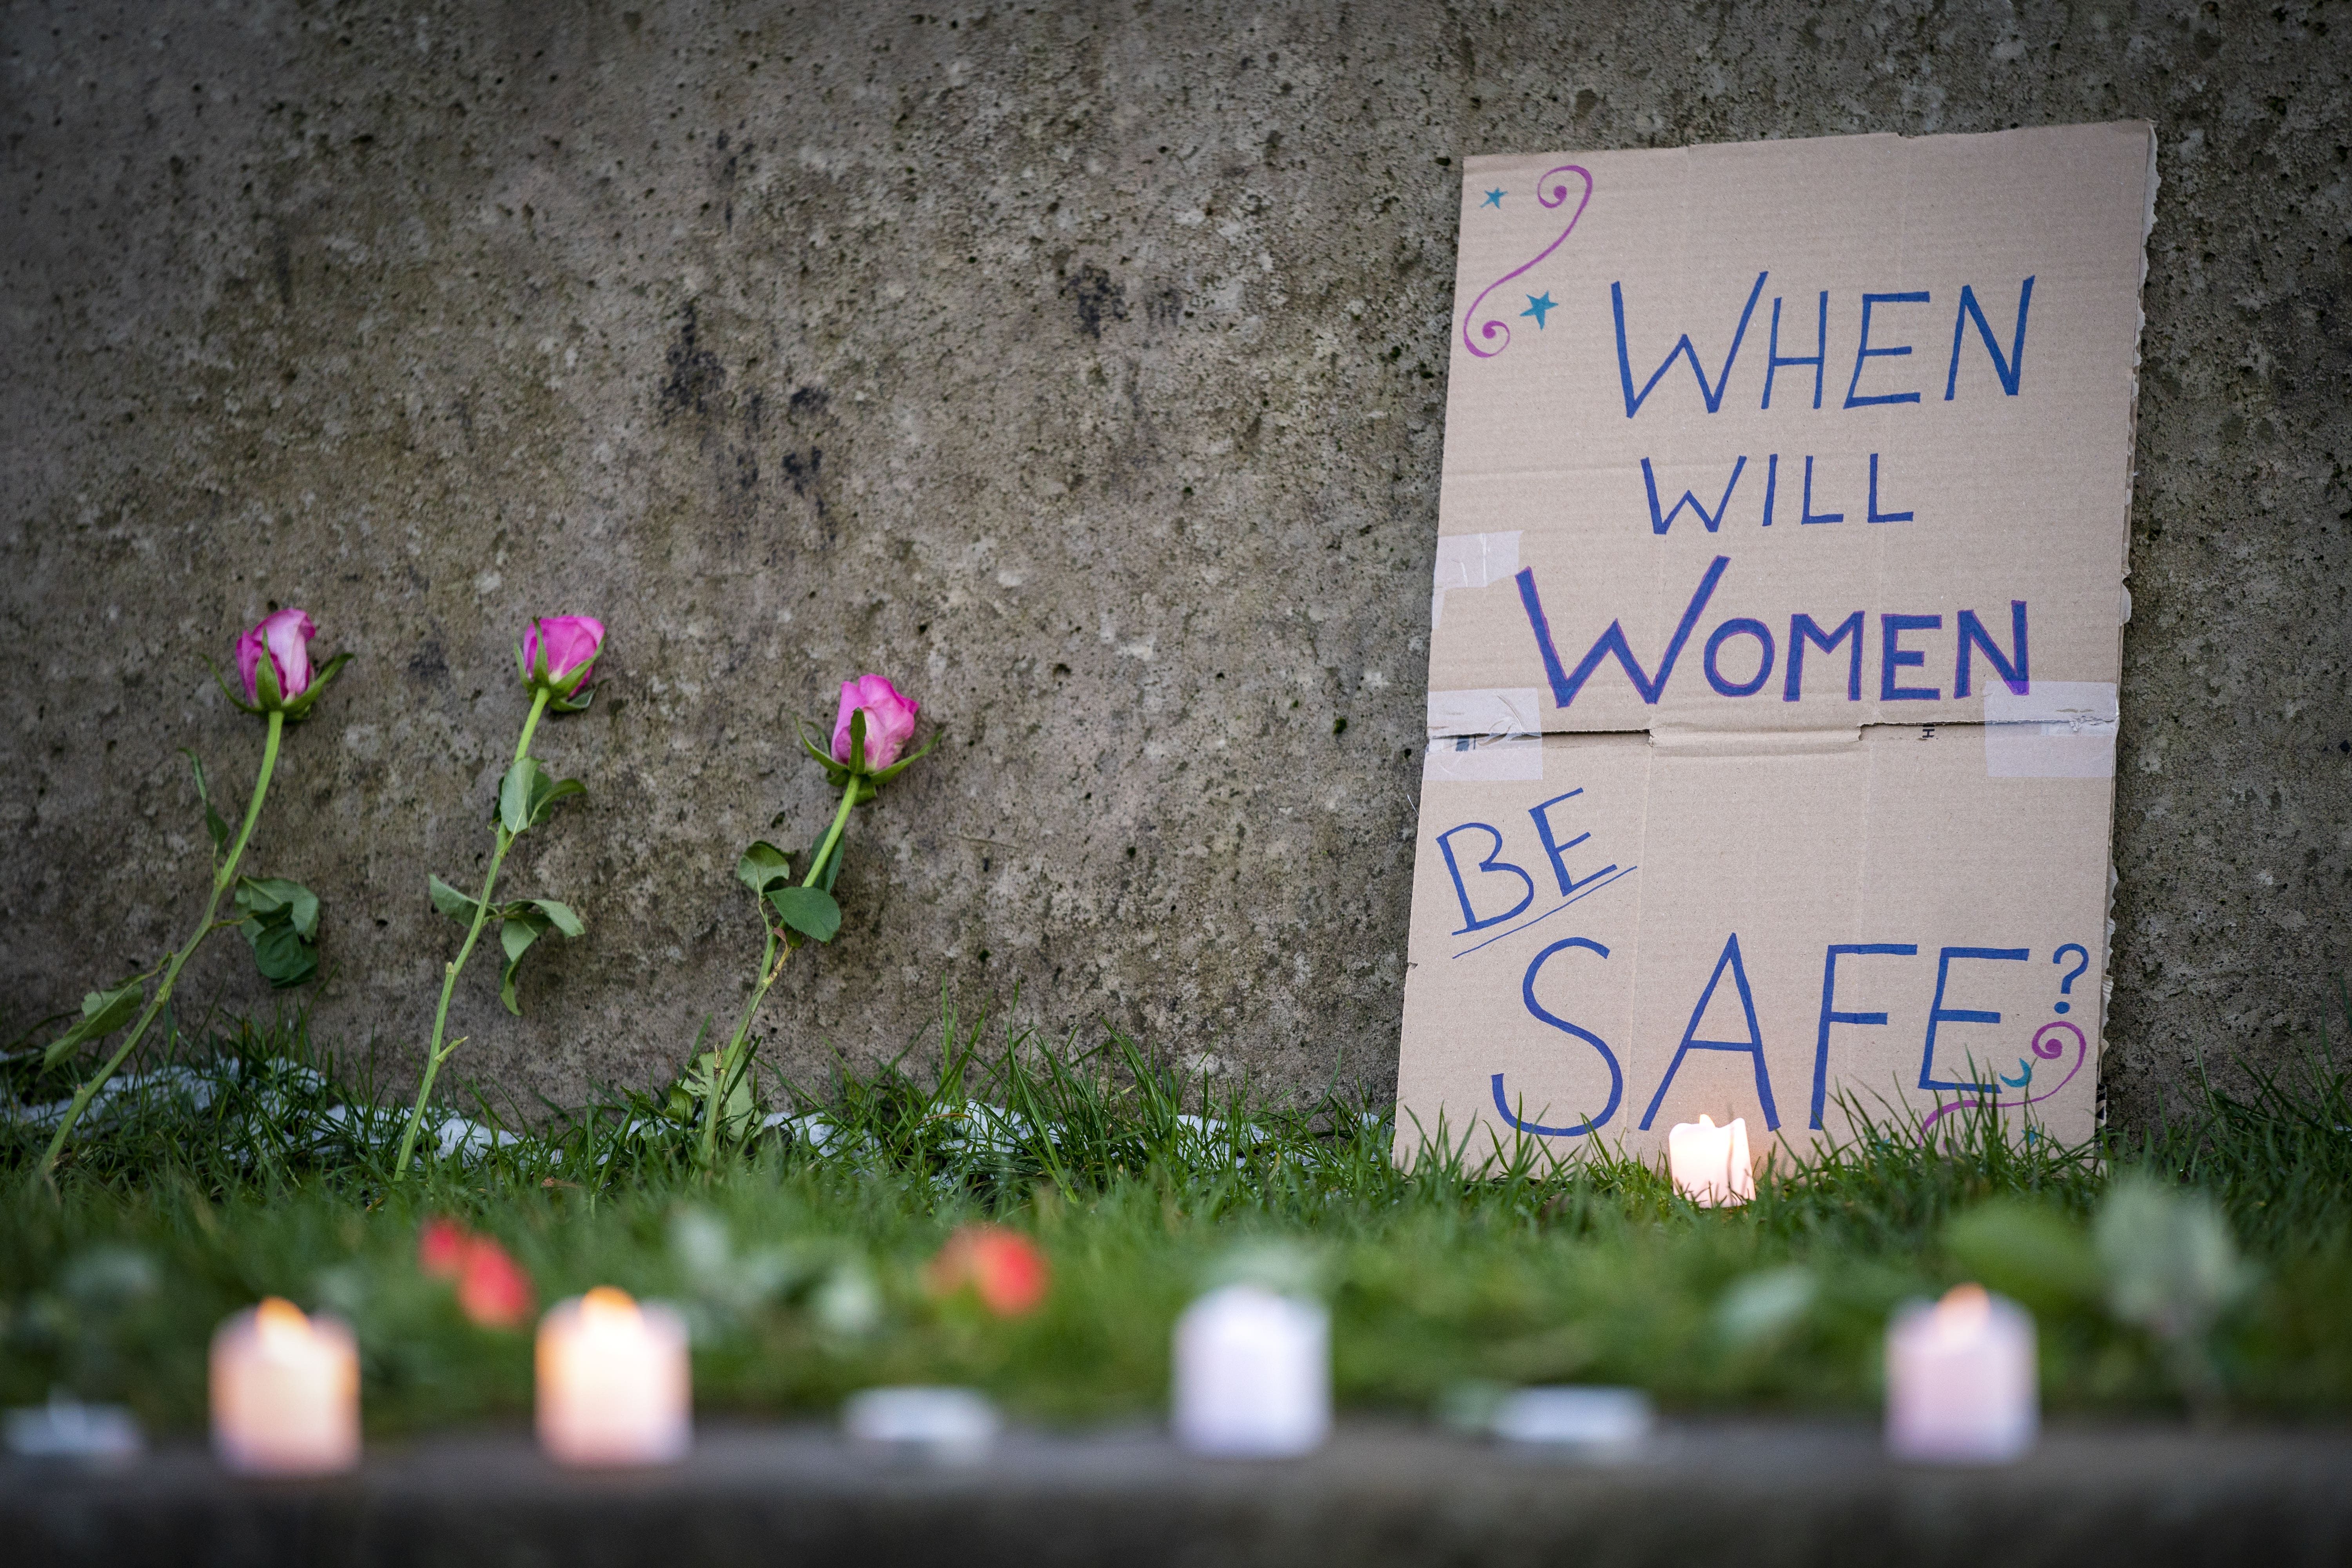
column 1493, row 862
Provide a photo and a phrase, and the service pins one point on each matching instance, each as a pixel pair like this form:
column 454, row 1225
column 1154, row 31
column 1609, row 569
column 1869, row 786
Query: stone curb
column 1747, row 1494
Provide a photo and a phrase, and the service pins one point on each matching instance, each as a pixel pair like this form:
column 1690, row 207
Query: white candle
column 613, row 1384
column 285, row 1393
column 1960, row 1379
column 1709, row 1164
column 1253, row 1373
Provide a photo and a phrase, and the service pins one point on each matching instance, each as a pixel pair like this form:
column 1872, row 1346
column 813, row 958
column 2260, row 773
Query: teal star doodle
column 1494, row 199
column 1536, row 305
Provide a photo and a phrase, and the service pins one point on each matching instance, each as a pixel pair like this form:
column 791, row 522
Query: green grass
column 802, row 1268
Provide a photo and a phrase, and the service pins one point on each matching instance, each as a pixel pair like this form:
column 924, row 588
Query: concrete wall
column 1082, row 366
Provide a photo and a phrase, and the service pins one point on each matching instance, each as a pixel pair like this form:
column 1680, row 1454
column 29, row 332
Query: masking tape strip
column 2057, row 729
column 1487, row 712
column 1472, row 561
column 1510, row 759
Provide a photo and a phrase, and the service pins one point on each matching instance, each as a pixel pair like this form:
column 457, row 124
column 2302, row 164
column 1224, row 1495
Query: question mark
column 2068, row 985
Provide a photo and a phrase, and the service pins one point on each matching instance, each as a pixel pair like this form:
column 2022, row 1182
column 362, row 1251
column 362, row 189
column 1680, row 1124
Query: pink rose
column 568, row 644
column 889, row 720
column 285, row 637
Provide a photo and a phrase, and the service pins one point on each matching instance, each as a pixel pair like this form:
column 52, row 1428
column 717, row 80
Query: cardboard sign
column 1775, row 639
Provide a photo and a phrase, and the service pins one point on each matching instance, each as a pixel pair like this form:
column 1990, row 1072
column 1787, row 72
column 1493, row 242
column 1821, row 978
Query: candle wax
column 1253, row 1373
column 614, row 1387
column 1960, row 1379
column 285, row 1393
column 1709, row 1164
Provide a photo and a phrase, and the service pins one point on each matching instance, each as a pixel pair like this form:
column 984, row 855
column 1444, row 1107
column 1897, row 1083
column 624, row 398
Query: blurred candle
column 1253, row 1373
column 285, row 1393
column 1960, row 1379
column 614, row 1384
column 1709, row 1164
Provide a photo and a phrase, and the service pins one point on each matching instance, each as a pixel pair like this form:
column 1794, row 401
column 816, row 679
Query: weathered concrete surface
column 1080, row 365
column 1763, row 1495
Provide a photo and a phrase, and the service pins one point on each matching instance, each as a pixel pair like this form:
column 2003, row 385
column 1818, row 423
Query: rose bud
column 889, row 722
column 1002, row 1267
column 556, row 656
column 285, row 639
column 273, row 667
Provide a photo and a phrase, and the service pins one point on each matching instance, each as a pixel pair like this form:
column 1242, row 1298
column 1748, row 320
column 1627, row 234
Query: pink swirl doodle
column 1550, row 196
column 2048, row 1049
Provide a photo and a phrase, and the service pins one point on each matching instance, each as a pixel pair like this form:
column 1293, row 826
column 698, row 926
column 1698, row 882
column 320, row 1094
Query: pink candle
column 1960, row 1379
column 614, row 1387
column 285, row 1393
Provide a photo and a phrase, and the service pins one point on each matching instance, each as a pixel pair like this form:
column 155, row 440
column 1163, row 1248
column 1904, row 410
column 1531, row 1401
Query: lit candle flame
column 280, row 1325
column 1963, row 1311
column 606, row 1307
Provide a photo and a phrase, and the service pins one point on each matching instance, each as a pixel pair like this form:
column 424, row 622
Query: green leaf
column 281, row 926
column 808, row 910
column 449, row 901
column 264, row 897
column 527, row 795
column 702, row 1082
column 515, row 935
column 515, row 793
column 545, row 793
column 523, row 922
column 215, row 824
column 858, row 739
column 556, row 913
column 762, row 866
column 103, row 1013
column 284, row 956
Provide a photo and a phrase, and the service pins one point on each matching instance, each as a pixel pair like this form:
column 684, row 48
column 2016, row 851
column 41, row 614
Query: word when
column 2007, row 368
column 1895, row 658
